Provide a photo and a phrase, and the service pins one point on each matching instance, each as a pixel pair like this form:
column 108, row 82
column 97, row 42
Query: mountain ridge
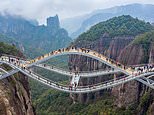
column 141, row 11
column 35, row 39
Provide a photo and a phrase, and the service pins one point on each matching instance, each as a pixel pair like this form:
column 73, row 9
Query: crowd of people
column 143, row 69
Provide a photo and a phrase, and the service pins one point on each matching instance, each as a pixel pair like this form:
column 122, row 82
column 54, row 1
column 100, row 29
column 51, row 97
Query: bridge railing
column 11, row 56
column 107, row 84
column 78, row 72
column 122, row 78
column 53, row 82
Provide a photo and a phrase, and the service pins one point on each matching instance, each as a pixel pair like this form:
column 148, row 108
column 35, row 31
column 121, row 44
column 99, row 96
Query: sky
column 41, row 9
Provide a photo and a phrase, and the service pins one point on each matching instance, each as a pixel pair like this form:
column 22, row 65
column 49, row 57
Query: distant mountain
column 90, row 22
column 8, row 40
column 34, row 39
column 73, row 24
column 141, row 11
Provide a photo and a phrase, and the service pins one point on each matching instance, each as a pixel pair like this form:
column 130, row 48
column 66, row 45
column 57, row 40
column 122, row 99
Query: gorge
column 125, row 39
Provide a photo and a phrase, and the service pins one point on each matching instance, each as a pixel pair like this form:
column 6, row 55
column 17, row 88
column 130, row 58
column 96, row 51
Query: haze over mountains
column 123, row 38
column 80, row 24
column 31, row 38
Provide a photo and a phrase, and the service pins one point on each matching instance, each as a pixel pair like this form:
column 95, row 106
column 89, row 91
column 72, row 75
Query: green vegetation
column 145, row 39
column 6, row 67
column 37, row 88
column 8, row 49
column 144, row 99
column 118, row 26
column 52, row 102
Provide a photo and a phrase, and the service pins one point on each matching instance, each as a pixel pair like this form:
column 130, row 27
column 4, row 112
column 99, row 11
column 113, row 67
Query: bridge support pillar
column 115, row 77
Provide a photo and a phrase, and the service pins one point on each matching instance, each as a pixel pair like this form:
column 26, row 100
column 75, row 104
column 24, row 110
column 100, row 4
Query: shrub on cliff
column 8, row 49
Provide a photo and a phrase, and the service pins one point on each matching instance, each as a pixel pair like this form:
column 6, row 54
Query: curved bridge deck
column 79, row 89
column 23, row 65
column 82, row 74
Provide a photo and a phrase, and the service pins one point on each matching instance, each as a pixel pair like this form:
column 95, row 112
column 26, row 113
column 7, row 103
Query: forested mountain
column 32, row 38
column 111, row 38
column 141, row 11
column 118, row 26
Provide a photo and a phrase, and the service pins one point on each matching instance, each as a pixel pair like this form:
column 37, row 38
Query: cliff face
column 15, row 97
column 117, row 45
column 34, row 39
column 53, row 22
column 122, row 43
column 111, row 47
column 135, row 54
column 121, row 49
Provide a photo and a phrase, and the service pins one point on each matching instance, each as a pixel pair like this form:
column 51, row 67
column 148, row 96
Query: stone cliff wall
column 15, row 96
column 120, row 49
column 111, row 47
column 134, row 91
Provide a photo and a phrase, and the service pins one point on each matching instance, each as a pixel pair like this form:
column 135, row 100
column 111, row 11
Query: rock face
column 120, row 44
column 35, row 39
column 124, row 96
column 151, row 109
column 53, row 22
column 134, row 54
column 121, row 49
column 117, row 45
column 15, row 96
column 111, row 47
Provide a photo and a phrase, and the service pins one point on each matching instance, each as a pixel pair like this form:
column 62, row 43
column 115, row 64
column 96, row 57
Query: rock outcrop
column 131, row 55
column 121, row 49
column 111, row 47
column 53, row 22
column 34, row 40
column 15, row 96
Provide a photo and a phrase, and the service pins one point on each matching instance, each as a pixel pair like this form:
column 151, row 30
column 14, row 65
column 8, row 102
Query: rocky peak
column 53, row 22
column 31, row 35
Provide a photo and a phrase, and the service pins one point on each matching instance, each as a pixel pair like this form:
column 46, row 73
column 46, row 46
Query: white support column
column 115, row 77
column 75, row 80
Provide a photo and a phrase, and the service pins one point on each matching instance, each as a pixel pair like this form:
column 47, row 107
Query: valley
column 118, row 33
